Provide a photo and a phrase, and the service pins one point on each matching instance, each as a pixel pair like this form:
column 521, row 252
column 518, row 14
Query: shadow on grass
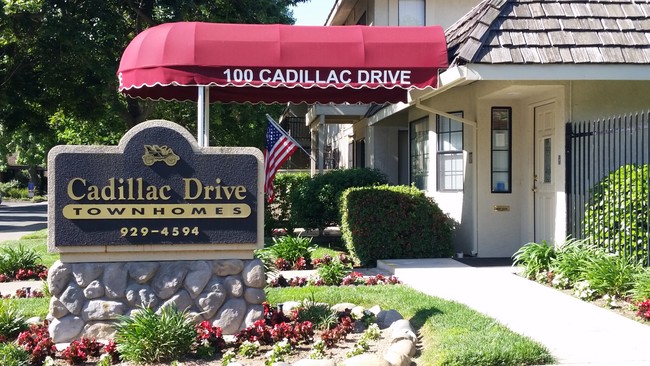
column 420, row 317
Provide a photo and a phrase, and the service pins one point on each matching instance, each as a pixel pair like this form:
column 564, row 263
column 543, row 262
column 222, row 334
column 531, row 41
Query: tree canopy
column 58, row 60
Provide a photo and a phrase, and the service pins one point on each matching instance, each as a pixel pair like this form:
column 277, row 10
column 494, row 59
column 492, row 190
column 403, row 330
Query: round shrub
column 316, row 205
column 394, row 222
column 617, row 214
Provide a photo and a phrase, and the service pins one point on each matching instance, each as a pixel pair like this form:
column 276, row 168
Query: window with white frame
column 419, row 152
column 451, row 167
column 411, row 12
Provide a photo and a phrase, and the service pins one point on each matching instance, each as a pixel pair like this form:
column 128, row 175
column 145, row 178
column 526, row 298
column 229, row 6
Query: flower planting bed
column 376, row 337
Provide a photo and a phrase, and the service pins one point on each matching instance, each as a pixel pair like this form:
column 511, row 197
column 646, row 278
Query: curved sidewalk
column 575, row 332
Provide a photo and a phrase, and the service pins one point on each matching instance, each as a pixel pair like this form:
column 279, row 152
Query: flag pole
column 277, row 125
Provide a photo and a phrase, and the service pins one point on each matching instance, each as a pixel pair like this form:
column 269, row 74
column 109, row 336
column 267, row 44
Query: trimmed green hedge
column 394, row 222
column 316, row 204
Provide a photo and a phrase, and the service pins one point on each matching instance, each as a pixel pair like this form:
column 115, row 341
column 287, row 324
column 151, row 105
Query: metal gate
column 594, row 153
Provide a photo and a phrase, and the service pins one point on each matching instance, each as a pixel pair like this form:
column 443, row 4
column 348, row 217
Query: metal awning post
column 203, row 116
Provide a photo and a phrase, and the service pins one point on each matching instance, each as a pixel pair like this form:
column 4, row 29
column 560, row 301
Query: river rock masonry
column 89, row 298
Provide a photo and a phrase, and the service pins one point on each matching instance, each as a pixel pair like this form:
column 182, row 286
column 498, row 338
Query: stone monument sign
column 156, row 221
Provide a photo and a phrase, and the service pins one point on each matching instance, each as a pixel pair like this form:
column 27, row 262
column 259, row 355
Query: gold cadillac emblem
column 154, row 153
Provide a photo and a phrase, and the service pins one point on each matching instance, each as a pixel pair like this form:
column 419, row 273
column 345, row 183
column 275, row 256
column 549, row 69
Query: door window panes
column 501, row 150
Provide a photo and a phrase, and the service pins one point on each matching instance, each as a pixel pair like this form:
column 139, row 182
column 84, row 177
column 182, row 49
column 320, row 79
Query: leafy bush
column 332, row 273
column 611, row 274
column 12, row 320
column 320, row 315
column 571, row 259
column 316, row 203
column 279, row 214
column 17, row 193
column 12, row 355
column 394, row 222
column 291, row 248
column 147, row 337
column 617, row 215
column 13, row 259
column 534, row 258
column 5, row 187
column 641, row 287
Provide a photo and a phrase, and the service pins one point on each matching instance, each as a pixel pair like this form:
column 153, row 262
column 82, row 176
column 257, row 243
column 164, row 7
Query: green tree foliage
column 394, row 222
column 617, row 215
column 58, row 61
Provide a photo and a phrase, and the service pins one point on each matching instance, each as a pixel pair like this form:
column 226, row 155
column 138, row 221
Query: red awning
column 282, row 63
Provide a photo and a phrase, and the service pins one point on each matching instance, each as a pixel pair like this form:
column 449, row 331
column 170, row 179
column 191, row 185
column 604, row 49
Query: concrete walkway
column 576, row 333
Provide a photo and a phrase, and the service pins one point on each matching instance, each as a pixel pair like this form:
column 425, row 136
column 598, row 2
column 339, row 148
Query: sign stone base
column 88, row 298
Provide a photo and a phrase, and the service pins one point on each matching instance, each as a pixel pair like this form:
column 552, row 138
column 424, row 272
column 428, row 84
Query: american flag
column 279, row 147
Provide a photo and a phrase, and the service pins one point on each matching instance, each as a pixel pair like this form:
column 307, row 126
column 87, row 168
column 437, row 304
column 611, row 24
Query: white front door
column 544, row 173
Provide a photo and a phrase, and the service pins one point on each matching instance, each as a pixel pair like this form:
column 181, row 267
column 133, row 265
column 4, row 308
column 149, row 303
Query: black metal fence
column 612, row 152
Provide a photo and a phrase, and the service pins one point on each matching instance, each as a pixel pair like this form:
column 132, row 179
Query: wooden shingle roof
column 552, row 32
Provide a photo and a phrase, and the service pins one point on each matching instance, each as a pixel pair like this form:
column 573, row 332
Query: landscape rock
column 209, row 302
column 340, row 307
column 94, row 290
column 141, row 295
column 310, row 362
column 227, row 267
column 99, row 330
column 404, row 347
column 103, row 310
column 169, row 279
column 72, row 298
column 375, row 309
column 57, row 309
column 197, row 278
column 34, row 320
column 58, row 277
column 115, row 280
column 234, row 285
column 401, row 329
column 65, row 329
column 254, row 313
column 85, row 273
column 358, row 312
column 365, row 359
column 397, row 359
column 181, row 300
column 387, row 317
column 142, row 272
column 230, row 316
column 254, row 295
column 254, row 275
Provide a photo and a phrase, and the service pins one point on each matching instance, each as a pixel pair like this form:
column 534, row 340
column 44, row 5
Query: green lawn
column 36, row 241
column 452, row 333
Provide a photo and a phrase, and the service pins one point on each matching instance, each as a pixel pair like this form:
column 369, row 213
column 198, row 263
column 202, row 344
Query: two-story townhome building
column 489, row 142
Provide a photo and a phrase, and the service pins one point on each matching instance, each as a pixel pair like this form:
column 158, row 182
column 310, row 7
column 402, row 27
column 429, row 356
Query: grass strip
column 36, row 241
column 451, row 333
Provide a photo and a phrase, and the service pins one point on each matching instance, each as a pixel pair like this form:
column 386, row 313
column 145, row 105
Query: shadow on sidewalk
column 485, row 262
